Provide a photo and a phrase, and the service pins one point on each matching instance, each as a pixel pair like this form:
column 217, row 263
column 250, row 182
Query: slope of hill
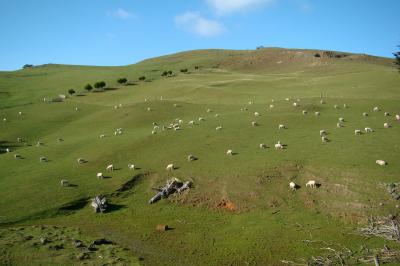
column 240, row 210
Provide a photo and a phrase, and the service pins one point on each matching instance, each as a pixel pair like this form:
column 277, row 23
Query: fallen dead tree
column 99, row 203
column 172, row 186
column 386, row 227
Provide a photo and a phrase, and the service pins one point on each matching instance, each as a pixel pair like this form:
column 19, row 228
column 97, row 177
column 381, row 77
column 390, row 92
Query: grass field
column 240, row 210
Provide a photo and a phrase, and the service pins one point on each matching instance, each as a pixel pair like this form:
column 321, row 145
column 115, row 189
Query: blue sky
column 121, row 32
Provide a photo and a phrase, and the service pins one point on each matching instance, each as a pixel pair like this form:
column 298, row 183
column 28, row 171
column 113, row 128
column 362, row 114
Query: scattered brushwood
column 99, row 203
column 378, row 257
column 386, row 227
column 393, row 189
column 172, row 186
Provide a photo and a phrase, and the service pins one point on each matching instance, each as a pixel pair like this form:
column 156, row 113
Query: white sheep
column 311, row 183
column 304, row 112
column 322, row 102
column 339, row 125
column 201, row 119
column 81, row 160
column 344, row 105
column 376, row 109
column 191, row 157
column 357, row 132
column 100, row 175
column 281, row 126
column 148, row 109
column 317, row 113
column 20, row 113
column 229, row 152
column 76, row 108
column 180, row 121
column 170, row 167
column 64, row 183
column 386, row 125
column 324, row 139
column 256, row 114
column 153, row 132
column 278, row 146
column 8, row 150
column 42, row 159
column 4, row 119
column 380, row 162
column 216, row 115
column 397, row 117
column 322, row 132
column 209, row 110
column 263, row 146
column 131, row 166
column 110, row 167
column 250, row 102
column 191, row 123
column 271, row 106
column 368, row 130
column 218, row 128
column 102, row 136
column 254, row 124
column 175, row 105
column 292, row 186
column 336, row 106
column 19, row 139
column 156, row 127
column 341, row 119
column 39, row 143
column 365, row 114
column 295, row 104
column 386, row 114
column 17, row 156
column 287, row 99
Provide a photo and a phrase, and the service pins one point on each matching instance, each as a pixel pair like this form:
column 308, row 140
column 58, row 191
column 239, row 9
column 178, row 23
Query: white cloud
column 224, row 7
column 194, row 23
column 121, row 14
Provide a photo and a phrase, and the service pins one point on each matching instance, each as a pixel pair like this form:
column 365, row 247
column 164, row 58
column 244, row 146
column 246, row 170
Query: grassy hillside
column 240, row 210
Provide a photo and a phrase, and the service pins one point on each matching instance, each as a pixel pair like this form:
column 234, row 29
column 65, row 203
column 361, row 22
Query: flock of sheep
column 178, row 123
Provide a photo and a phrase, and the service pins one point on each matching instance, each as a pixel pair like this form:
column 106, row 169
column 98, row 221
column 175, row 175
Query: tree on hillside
column 71, row 91
column 165, row 73
column 397, row 59
column 27, row 66
column 142, row 78
column 100, row 85
column 184, row 70
column 122, row 81
column 170, row 72
column 88, row 87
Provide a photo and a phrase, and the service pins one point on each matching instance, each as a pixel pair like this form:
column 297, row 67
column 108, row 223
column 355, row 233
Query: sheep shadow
column 106, row 177
column 114, row 207
column 72, row 185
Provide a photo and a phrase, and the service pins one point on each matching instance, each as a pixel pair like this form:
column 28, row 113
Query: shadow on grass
column 114, row 207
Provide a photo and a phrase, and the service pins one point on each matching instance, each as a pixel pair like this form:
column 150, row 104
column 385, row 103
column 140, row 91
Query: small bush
column 71, row 91
column 100, row 85
column 122, row 81
column 142, row 78
column 88, row 87
column 317, row 55
column 185, row 70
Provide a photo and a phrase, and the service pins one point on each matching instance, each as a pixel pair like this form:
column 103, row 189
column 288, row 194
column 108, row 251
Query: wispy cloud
column 121, row 14
column 225, row 7
column 196, row 24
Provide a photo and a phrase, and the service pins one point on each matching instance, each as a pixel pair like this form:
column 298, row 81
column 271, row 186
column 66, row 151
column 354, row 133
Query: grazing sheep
column 380, row 162
column 386, row 114
column 76, row 108
column 336, row 106
column 322, row 102
column 281, row 127
column 4, row 119
column 292, row 186
column 287, row 99
column 344, row 105
column 295, row 104
column 311, row 183
column 115, row 107
column 304, row 112
column 365, row 114
column 191, row 157
column 209, row 110
column 216, row 115
column 317, row 113
column 42, row 159
column 368, row 130
column 102, row 136
column 39, row 143
column 153, row 132
column 19, row 139
column 8, row 150
column 341, row 119
column 145, row 100
column 256, row 114
column 175, row 105
column 19, row 113
column 397, row 117
column 155, row 124
column 110, row 167
column 170, row 167
column 357, row 132
column 278, row 146
column 64, row 183
column 218, row 128
column 156, row 127
column 201, row 119
column 386, row 125
column 322, row 132
column 148, row 109
column 100, row 175
column 272, row 100
column 17, row 156
column 324, row 139
column 161, row 98
column 254, row 124
column 376, row 109
column 263, row 146
column 229, row 152
column 131, row 166
column 339, row 125
column 250, row 102
column 81, row 160
column 298, row 100
column 191, row 123
column 180, row 121
column 271, row 106
column 177, row 128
